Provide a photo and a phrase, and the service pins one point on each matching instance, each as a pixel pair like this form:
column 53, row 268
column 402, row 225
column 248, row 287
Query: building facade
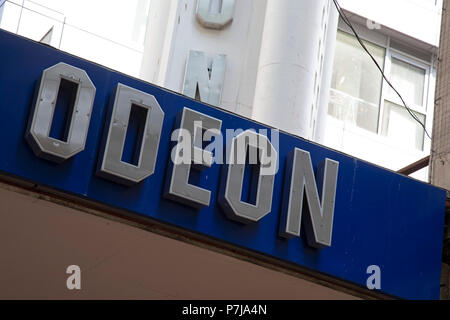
column 292, row 65
column 262, row 46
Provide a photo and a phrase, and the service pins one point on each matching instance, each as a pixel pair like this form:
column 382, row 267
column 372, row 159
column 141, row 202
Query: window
column 399, row 126
column 411, row 80
column 360, row 97
column 356, row 83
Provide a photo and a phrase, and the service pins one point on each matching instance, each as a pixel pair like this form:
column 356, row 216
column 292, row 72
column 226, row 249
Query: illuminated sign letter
column 300, row 178
column 232, row 184
column 218, row 18
column 190, row 132
column 131, row 103
column 209, row 82
column 79, row 91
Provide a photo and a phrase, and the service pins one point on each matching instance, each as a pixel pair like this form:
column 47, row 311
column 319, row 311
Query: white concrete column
column 158, row 37
column 330, row 31
column 290, row 64
column 173, row 31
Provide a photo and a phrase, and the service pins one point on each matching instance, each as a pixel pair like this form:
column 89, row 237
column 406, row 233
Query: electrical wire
column 349, row 24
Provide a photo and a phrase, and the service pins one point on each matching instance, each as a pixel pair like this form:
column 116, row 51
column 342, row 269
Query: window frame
column 394, row 54
column 427, row 108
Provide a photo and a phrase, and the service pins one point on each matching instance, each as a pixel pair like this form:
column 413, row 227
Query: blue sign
column 380, row 218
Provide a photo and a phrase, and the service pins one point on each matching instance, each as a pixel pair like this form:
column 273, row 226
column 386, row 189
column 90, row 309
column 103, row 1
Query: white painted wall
column 292, row 60
column 103, row 31
column 164, row 60
column 420, row 19
column 371, row 147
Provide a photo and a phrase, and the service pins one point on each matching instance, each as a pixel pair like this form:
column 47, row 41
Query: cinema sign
column 156, row 154
column 191, row 124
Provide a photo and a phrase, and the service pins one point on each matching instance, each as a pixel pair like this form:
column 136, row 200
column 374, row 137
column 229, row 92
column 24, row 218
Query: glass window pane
column 354, row 111
column 358, row 81
column 399, row 126
column 409, row 80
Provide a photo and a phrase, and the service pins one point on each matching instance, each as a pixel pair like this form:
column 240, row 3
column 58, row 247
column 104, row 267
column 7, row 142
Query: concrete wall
column 440, row 155
column 440, row 148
